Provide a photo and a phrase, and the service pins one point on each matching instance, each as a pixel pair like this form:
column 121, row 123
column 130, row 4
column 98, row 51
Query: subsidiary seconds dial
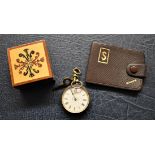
column 75, row 99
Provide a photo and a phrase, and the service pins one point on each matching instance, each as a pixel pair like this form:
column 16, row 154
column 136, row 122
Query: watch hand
column 73, row 95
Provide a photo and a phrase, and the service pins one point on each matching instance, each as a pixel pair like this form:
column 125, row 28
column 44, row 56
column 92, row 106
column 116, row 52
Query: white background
column 77, row 137
column 81, row 16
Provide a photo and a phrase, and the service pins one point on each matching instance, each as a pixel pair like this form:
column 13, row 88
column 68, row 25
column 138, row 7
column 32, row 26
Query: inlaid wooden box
column 29, row 63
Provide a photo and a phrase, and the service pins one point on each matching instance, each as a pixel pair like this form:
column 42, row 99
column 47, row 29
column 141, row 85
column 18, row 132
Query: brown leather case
column 116, row 67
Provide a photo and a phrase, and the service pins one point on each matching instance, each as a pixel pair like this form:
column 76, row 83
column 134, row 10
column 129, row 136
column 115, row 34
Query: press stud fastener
column 133, row 69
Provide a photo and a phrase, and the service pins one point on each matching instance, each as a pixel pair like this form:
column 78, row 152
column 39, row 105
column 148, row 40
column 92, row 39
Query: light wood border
column 51, row 75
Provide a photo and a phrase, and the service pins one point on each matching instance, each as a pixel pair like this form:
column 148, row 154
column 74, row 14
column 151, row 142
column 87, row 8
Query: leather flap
column 136, row 70
column 108, row 64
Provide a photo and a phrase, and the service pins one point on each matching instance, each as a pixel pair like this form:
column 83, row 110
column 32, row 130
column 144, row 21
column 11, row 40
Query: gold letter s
column 103, row 56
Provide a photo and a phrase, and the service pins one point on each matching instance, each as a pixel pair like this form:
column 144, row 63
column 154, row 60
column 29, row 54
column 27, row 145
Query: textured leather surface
column 137, row 70
column 113, row 73
column 67, row 51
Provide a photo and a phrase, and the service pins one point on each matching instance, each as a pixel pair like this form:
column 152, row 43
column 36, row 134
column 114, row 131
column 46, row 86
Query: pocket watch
column 75, row 98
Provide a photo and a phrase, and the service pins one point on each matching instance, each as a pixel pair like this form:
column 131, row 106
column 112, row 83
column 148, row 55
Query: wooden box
column 29, row 63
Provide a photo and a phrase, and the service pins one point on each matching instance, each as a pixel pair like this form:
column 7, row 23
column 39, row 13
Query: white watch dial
column 75, row 99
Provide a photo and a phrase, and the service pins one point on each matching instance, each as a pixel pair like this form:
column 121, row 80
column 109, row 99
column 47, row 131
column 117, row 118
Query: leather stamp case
column 116, row 67
column 29, row 63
